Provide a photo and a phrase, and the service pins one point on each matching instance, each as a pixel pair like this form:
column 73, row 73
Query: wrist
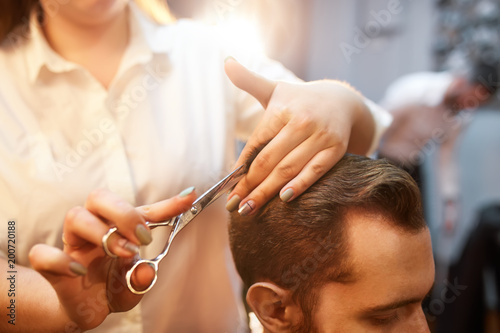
column 361, row 119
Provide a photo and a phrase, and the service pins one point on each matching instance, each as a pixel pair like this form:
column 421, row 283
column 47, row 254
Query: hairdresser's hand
column 90, row 284
column 309, row 127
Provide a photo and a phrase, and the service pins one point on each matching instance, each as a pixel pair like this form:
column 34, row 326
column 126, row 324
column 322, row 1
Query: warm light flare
column 243, row 32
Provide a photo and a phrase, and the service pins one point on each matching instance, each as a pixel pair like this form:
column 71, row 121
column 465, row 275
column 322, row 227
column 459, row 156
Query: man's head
column 474, row 89
column 351, row 254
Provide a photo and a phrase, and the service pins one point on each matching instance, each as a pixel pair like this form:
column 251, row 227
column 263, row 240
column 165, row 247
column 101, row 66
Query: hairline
column 346, row 273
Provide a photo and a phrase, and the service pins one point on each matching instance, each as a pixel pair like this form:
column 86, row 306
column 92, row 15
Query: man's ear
column 274, row 307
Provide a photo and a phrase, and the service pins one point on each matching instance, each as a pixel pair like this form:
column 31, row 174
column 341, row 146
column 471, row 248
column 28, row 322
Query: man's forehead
column 375, row 243
column 390, row 267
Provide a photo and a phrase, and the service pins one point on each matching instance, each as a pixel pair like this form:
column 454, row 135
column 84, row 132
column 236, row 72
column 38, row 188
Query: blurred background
column 368, row 43
column 371, row 44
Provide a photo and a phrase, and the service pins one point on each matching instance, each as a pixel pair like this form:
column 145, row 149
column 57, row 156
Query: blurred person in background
column 425, row 107
column 433, row 112
column 108, row 107
column 469, row 245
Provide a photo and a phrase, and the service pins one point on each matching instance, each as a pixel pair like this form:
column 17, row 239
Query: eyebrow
column 397, row 304
column 393, row 305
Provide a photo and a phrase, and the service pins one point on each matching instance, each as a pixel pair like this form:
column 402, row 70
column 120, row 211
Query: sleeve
column 403, row 91
column 382, row 119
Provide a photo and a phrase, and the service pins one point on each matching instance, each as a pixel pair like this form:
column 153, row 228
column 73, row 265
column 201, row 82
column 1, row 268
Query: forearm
column 30, row 303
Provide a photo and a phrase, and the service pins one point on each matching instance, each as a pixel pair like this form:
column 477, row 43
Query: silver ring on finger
column 105, row 243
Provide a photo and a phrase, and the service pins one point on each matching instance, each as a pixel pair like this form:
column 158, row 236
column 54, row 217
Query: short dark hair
column 485, row 74
column 301, row 244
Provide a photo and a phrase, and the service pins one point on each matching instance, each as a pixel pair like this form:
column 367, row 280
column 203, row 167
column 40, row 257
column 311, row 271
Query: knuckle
column 303, row 123
column 325, row 136
column 259, row 196
column 286, row 171
column 239, row 188
column 262, row 161
column 73, row 214
column 341, row 146
column 335, row 151
column 264, row 134
column 318, row 169
column 300, row 185
column 129, row 214
column 281, row 116
column 281, row 112
column 243, row 187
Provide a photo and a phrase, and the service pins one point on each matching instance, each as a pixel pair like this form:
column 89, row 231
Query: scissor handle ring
column 128, row 276
column 104, row 242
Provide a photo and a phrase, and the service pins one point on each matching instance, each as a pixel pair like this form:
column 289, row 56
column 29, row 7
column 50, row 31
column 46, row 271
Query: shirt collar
column 40, row 55
column 147, row 38
column 155, row 36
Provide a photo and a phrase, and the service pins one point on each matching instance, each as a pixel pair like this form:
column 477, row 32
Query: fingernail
column 287, row 195
column 233, row 203
column 77, row 268
column 129, row 247
column 228, row 57
column 186, row 192
column 247, row 208
column 143, row 234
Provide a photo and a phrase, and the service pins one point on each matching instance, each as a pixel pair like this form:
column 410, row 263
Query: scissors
column 179, row 222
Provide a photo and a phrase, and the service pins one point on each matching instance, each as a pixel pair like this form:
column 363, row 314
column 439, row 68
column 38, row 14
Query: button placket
column 118, row 175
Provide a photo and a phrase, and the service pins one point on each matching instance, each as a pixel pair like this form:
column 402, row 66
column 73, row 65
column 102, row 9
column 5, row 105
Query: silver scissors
column 179, row 222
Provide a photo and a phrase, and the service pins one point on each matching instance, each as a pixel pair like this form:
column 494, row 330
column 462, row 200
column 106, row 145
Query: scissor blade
column 210, row 196
column 220, row 188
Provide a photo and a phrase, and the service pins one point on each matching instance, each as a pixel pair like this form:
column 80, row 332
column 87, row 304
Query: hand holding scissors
column 178, row 223
column 80, row 272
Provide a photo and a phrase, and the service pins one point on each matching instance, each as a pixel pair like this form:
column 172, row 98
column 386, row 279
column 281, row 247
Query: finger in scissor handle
column 141, row 277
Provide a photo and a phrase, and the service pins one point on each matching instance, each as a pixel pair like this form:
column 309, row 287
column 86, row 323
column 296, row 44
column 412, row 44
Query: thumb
column 53, row 263
column 257, row 86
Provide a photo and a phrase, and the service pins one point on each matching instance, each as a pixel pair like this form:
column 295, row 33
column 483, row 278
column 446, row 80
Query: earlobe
column 274, row 307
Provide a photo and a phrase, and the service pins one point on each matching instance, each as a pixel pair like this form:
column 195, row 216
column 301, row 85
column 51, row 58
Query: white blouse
column 169, row 120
